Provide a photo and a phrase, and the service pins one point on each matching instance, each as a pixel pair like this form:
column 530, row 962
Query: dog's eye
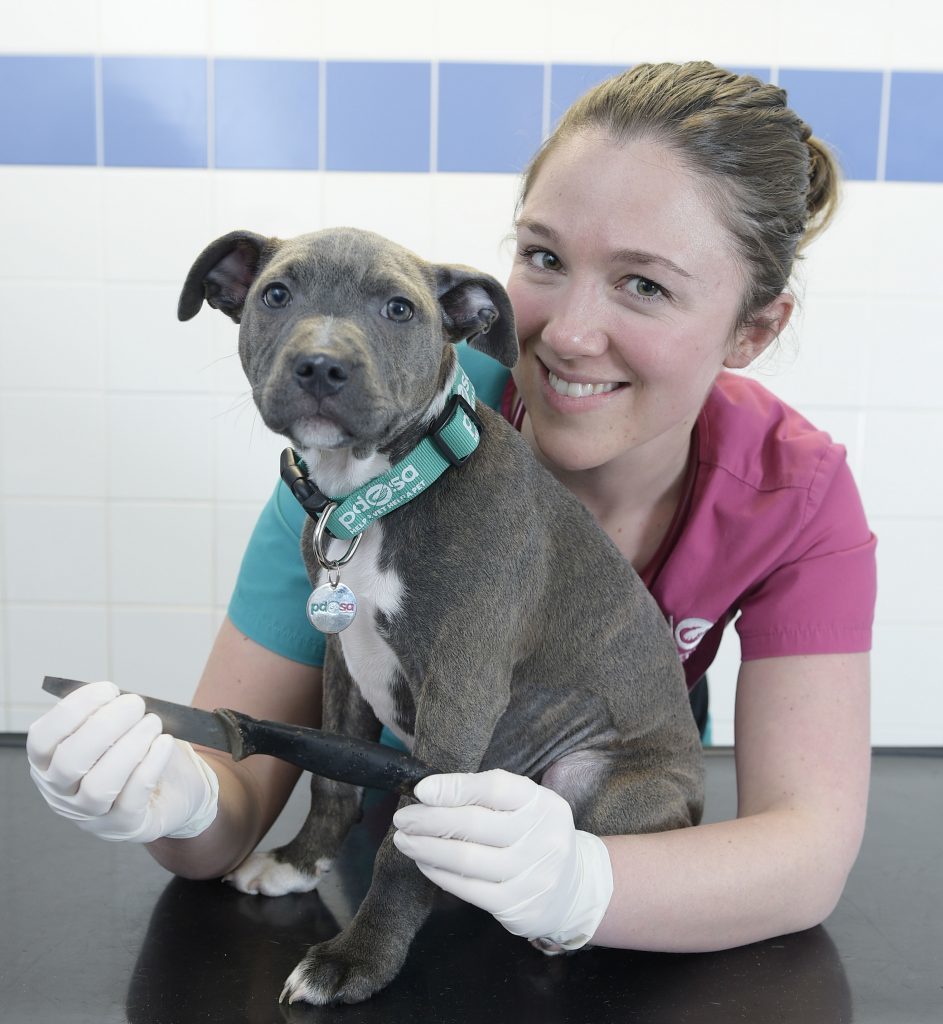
column 276, row 296
column 398, row 309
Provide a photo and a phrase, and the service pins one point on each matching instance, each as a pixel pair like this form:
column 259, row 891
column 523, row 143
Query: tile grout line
column 322, row 122
column 99, row 113
column 545, row 103
column 213, row 426
column 433, row 117
column 210, row 113
column 106, row 366
column 884, row 125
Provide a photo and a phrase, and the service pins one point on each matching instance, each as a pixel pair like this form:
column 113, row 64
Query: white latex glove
column 509, row 846
column 98, row 759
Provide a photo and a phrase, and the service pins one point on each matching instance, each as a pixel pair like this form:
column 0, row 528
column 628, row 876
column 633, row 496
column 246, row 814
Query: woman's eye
column 398, row 309
column 541, row 259
column 276, row 296
column 644, row 288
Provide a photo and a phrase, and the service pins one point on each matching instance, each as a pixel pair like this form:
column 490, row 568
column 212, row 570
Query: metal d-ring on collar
column 332, row 565
column 318, row 507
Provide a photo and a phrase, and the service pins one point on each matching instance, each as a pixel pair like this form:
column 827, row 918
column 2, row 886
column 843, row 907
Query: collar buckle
column 294, row 474
column 455, row 402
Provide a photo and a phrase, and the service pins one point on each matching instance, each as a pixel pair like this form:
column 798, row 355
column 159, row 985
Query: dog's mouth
column 330, row 425
column 320, row 432
column 358, row 415
column 306, row 422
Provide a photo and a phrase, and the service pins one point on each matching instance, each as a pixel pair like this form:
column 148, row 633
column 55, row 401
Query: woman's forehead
column 623, row 197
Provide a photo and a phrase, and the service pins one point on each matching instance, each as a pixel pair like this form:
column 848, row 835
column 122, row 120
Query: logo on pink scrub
column 688, row 634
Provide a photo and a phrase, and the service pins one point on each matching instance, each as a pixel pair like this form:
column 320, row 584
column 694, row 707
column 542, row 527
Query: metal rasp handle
column 343, row 758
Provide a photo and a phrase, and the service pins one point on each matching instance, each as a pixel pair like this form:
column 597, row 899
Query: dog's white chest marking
column 370, row 659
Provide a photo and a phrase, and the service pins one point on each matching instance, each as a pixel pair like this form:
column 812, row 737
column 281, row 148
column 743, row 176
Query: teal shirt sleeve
column 271, row 592
column 488, row 375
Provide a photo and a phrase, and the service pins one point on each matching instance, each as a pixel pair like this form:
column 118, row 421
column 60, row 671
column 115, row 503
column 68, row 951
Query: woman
column 656, row 234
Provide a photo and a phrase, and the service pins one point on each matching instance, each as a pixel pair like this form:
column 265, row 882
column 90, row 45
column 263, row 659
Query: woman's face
column 626, row 291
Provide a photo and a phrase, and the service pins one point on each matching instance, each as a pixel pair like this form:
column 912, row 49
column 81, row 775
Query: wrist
column 205, row 814
column 591, row 896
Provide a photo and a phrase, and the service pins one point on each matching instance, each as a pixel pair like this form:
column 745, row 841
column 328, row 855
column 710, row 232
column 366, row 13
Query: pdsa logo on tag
column 331, row 607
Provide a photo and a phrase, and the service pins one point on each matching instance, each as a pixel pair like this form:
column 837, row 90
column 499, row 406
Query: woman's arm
column 242, row 674
column 803, row 765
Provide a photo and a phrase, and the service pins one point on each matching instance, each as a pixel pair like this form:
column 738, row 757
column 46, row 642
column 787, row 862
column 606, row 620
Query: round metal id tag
column 332, row 607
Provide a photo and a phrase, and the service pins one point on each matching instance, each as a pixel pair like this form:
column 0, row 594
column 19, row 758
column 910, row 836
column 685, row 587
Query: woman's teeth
column 571, row 390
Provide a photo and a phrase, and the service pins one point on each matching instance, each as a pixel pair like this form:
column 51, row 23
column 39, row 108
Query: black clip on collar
column 295, row 477
column 434, row 433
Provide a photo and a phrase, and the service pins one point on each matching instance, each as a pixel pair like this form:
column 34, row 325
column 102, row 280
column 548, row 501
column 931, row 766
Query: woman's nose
column 574, row 326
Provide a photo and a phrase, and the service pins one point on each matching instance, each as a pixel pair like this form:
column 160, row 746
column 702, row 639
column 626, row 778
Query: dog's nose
column 320, row 375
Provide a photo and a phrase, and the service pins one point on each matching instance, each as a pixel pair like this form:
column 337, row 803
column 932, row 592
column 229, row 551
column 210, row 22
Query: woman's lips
column 572, row 396
column 571, row 389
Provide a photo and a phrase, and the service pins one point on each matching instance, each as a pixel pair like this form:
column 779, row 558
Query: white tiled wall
column 132, row 463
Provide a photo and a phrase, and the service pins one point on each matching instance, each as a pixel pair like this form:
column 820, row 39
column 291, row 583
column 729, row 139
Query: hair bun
column 822, row 197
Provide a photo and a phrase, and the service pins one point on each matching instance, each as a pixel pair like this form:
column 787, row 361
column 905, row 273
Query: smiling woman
column 686, row 192
column 616, row 363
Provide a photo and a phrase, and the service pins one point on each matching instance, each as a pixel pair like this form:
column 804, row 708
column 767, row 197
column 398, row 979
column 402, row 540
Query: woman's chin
column 565, row 450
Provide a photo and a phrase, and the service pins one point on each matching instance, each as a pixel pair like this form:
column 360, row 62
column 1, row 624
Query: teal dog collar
column 450, row 441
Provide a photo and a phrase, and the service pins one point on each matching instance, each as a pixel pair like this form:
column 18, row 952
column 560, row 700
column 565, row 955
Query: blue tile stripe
column 377, row 115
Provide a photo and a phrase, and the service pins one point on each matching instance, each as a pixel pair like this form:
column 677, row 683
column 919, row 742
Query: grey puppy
column 497, row 625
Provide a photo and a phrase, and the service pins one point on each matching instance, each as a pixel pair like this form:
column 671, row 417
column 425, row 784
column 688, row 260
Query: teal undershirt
column 271, row 592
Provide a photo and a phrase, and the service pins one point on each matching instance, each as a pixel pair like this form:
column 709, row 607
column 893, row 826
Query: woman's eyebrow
column 535, row 227
column 638, row 256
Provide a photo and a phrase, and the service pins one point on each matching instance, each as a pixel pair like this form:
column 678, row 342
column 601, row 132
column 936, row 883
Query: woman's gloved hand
column 98, row 759
column 509, row 846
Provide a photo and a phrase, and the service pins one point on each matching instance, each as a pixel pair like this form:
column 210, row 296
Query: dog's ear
column 223, row 274
column 476, row 307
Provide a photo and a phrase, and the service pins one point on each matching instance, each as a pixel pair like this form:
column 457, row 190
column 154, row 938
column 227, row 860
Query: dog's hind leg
column 654, row 785
column 335, row 806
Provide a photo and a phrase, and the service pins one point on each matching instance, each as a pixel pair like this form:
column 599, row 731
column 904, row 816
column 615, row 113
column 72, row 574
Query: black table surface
column 95, row 933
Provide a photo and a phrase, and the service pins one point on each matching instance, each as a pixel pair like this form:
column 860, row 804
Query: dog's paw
column 263, row 873
column 340, row 971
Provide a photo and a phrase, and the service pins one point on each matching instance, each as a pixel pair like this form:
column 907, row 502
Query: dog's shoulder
column 503, row 454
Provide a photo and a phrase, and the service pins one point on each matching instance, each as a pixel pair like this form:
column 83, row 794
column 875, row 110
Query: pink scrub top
column 770, row 531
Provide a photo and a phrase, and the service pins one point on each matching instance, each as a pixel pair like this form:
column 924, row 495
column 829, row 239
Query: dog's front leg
column 369, row 953
column 335, row 806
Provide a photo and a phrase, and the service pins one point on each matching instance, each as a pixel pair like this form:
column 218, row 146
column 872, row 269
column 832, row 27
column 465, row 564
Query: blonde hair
column 774, row 185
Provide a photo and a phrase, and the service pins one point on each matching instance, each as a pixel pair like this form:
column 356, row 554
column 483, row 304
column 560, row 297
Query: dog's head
column 345, row 337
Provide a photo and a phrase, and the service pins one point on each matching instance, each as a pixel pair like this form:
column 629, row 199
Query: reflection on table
column 211, row 953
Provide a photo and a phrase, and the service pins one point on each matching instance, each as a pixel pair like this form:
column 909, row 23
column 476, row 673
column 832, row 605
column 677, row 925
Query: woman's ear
column 753, row 339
